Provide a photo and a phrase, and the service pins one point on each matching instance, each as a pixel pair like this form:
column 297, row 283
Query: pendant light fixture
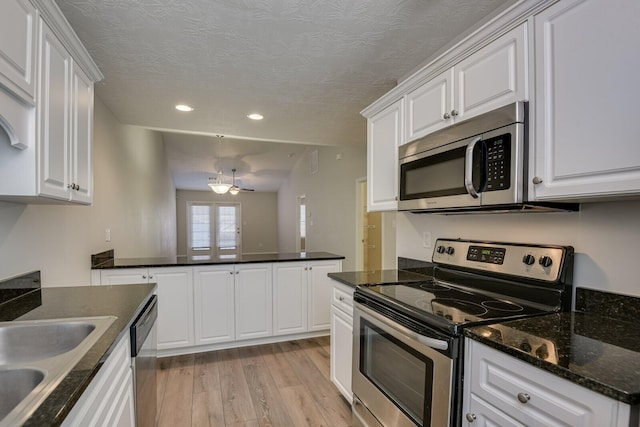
column 218, row 185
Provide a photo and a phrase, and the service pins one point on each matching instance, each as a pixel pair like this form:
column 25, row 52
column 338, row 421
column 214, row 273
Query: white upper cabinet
column 429, row 106
column 54, row 116
column 65, row 130
column 586, row 132
column 46, row 106
column 81, row 144
column 384, row 135
column 491, row 77
column 18, row 22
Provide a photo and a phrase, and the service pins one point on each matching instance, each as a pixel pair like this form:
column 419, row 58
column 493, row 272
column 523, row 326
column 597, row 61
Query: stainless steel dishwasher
column 143, row 362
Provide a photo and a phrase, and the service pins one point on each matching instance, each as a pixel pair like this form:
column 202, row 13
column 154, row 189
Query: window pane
column 227, row 237
column 200, row 227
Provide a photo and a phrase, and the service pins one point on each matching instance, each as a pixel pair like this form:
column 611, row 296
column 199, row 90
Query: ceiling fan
column 234, row 188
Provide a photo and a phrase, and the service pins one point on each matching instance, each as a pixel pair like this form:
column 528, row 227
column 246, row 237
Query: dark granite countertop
column 597, row 352
column 376, row 277
column 102, row 263
column 123, row 301
column 409, row 270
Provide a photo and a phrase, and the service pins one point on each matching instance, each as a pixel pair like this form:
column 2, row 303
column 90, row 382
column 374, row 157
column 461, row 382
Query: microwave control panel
column 498, row 162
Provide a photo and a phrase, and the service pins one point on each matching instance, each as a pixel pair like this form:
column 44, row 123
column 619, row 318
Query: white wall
column 259, row 218
column 134, row 196
column 331, row 202
column 606, row 238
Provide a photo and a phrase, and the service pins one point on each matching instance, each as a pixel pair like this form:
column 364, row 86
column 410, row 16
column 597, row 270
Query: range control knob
column 528, row 259
column 440, row 249
column 545, row 261
column 450, row 250
column 525, row 346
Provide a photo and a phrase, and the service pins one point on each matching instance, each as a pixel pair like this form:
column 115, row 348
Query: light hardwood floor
column 283, row 384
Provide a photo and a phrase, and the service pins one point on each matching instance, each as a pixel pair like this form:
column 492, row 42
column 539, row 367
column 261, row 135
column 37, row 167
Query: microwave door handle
column 468, row 168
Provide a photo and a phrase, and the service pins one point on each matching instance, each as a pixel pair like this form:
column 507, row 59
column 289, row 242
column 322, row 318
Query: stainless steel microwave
column 477, row 165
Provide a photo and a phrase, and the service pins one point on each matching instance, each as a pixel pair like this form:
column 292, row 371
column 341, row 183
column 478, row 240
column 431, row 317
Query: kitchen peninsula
column 210, row 304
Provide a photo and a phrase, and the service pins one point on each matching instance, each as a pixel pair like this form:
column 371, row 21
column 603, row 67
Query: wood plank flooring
column 283, row 384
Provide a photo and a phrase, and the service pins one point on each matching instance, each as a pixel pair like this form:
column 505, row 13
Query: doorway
column 369, row 254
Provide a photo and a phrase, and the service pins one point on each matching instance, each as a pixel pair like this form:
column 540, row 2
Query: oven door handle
column 428, row 341
column 468, row 168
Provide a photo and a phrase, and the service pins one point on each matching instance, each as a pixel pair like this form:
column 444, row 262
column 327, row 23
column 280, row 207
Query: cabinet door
column 289, row 298
column 429, row 106
column 18, row 47
column 320, row 287
column 124, row 276
column 81, row 137
column 53, row 116
column 254, row 302
column 341, row 351
column 122, row 413
column 175, row 306
column 478, row 413
column 492, row 77
column 384, row 135
column 586, row 100
column 214, row 304
column 552, row 401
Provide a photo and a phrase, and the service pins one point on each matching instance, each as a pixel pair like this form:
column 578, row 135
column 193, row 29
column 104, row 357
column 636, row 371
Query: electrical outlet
column 426, row 239
column 107, row 235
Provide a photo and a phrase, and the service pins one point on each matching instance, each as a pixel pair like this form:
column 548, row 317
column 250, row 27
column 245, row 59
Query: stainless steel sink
column 24, row 343
column 36, row 355
column 15, row 385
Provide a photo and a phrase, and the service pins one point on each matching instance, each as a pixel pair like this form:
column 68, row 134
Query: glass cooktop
column 448, row 306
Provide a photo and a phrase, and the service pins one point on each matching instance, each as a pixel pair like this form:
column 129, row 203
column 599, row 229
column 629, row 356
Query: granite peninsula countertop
column 123, row 301
column 597, row 347
column 106, row 261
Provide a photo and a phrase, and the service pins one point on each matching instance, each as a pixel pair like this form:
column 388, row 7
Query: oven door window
column 433, row 176
column 404, row 375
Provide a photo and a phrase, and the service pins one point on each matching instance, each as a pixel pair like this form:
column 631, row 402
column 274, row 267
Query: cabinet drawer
column 342, row 297
column 506, row 382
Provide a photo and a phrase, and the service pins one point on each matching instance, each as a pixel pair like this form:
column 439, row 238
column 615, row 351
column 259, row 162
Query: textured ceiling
column 309, row 66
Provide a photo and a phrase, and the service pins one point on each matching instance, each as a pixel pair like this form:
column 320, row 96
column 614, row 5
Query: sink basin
column 15, row 385
column 35, row 355
column 22, row 343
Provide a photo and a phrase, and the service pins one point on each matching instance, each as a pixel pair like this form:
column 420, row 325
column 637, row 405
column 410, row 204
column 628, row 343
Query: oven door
column 400, row 378
column 449, row 176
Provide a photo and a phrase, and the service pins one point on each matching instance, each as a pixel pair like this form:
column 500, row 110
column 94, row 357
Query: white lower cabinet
column 289, row 298
column 124, row 276
column 210, row 305
column 175, row 306
column 214, row 300
column 175, row 300
column 254, row 304
column 342, row 338
column 109, row 399
column 302, row 296
column 502, row 390
column 319, row 297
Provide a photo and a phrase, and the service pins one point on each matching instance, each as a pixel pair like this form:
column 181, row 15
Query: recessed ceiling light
column 183, row 107
column 255, row 116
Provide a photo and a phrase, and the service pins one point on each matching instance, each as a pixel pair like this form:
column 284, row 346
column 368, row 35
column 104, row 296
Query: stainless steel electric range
column 408, row 346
